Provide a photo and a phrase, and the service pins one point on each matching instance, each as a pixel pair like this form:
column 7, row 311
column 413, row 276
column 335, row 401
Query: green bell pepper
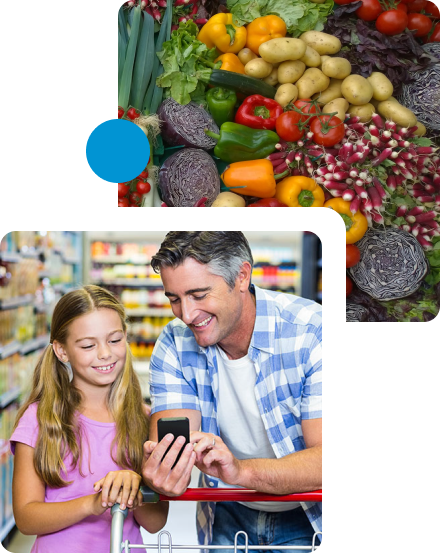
column 221, row 104
column 240, row 143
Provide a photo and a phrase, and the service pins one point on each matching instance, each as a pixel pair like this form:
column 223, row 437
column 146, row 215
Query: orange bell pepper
column 251, row 178
column 230, row 62
column 300, row 192
column 221, row 33
column 263, row 29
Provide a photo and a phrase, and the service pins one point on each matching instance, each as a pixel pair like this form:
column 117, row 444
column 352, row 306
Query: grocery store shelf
column 112, row 259
column 11, row 303
column 9, row 396
column 149, row 312
column 34, row 344
column 62, row 287
column 9, row 349
column 6, row 528
column 10, row 257
column 135, row 282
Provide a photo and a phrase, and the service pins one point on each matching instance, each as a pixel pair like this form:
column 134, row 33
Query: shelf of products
column 36, row 268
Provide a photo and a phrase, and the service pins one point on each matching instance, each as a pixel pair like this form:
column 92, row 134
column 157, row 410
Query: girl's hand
column 120, row 486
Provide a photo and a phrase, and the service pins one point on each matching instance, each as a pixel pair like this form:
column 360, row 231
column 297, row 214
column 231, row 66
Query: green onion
column 124, row 92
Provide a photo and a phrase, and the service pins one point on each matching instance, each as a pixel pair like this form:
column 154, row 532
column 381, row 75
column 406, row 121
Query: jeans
column 263, row 528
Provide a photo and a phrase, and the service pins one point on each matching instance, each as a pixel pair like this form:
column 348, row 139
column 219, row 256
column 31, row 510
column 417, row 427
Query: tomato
column 329, row 137
column 307, row 107
column 431, row 9
column 143, row 175
column 435, row 36
column 420, row 22
column 123, row 189
column 402, row 7
column 143, row 187
column 135, row 198
column 268, row 202
column 133, row 113
column 348, row 286
column 406, row 1
column 123, row 202
column 287, row 126
column 392, row 22
column 121, row 112
column 417, row 6
column 353, row 255
column 370, row 10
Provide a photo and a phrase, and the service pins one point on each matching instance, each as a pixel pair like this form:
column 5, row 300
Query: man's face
column 203, row 301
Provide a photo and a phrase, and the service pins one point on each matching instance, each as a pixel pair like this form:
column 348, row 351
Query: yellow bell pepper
column 263, row 29
column 251, row 178
column 221, row 33
column 300, row 192
column 230, row 62
column 356, row 224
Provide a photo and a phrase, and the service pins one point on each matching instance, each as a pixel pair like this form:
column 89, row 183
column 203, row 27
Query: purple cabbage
column 185, row 125
column 187, row 176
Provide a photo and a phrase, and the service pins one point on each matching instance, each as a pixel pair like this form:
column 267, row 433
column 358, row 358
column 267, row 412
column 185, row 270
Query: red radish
column 424, row 217
column 391, row 182
column 374, row 196
column 355, row 204
column 367, row 204
column 377, row 217
column 385, row 154
column 360, row 191
column 348, row 195
column 401, row 210
column 332, row 185
column 424, row 242
column 377, row 120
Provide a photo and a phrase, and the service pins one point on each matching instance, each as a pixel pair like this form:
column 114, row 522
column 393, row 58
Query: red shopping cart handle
column 228, row 494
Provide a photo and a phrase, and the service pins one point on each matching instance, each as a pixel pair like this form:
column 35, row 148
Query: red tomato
column 307, row 107
column 431, row 9
column 330, row 137
column 348, row 286
column 435, row 37
column 123, row 189
column 135, row 198
column 420, row 22
column 417, row 6
column 402, row 7
column 353, row 255
column 143, row 175
column 392, row 22
column 287, row 126
column 406, row 1
column 143, row 187
column 121, row 112
column 123, row 202
column 268, row 202
column 370, row 10
column 132, row 113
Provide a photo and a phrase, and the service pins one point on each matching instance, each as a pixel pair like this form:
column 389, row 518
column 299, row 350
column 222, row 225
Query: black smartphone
column 177, row 426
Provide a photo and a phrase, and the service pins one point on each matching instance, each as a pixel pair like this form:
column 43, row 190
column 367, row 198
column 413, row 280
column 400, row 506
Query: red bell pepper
column 258, row 112
column 268, row 202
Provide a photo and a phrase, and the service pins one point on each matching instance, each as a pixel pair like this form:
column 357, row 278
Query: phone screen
column 178, row 426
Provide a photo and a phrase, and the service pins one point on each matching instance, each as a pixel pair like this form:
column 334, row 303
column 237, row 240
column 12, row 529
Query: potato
column 391, row 109
column 246, row 55
column 421, row 129
column 331, row 93
column 286, row 93
column 323, row 43
column 258, row 68
column 357, row 90
column 382, row 86
column 290, row 71
column 365, row 111
column 229, row 199
column 272, row 79
column 311, row 58
column 337, row 68
column 282, row 49
column 340, row 105
column 313, row 80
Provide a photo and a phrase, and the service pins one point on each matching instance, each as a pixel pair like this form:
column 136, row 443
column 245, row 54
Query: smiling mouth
column 204, row 323
column 105, row 368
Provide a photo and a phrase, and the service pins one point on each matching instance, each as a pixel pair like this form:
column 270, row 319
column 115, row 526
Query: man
column 244, row 365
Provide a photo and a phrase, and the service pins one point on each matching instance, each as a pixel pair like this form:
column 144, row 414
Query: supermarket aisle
column 181, row 525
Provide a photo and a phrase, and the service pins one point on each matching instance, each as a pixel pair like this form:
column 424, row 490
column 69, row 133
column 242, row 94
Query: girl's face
column 96, row 348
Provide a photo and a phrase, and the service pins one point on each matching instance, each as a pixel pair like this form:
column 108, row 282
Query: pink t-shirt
column 93, row 532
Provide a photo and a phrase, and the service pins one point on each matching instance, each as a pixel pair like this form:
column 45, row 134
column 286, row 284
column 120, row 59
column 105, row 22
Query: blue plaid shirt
column 286, row 350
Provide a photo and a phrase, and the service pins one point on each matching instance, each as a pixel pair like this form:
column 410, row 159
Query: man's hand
column 159, row 475
column 214, row 458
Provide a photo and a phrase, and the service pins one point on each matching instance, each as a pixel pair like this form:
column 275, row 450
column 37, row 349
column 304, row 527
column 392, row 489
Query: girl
column 78, row 438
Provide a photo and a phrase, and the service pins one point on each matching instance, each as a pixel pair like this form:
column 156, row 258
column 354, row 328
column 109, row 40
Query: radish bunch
column 375, row 166
column 183, row 10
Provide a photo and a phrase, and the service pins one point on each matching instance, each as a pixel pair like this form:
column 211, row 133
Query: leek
column 124, row 92
column 144, row 63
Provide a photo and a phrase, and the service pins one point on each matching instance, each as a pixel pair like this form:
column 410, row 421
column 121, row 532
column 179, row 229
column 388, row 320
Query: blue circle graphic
column 118, row 150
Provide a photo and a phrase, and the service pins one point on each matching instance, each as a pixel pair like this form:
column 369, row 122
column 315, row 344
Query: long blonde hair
column 58, row 399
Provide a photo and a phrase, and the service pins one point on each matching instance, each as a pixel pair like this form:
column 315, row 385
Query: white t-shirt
column 239, row 420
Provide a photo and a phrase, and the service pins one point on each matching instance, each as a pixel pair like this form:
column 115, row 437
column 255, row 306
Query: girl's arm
column 152, row 516
column 33, row 516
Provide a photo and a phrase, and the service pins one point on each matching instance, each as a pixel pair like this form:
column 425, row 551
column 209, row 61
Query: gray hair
column 223, row 252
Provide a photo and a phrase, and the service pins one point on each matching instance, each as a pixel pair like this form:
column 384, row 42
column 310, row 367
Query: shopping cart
column 205, row 494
